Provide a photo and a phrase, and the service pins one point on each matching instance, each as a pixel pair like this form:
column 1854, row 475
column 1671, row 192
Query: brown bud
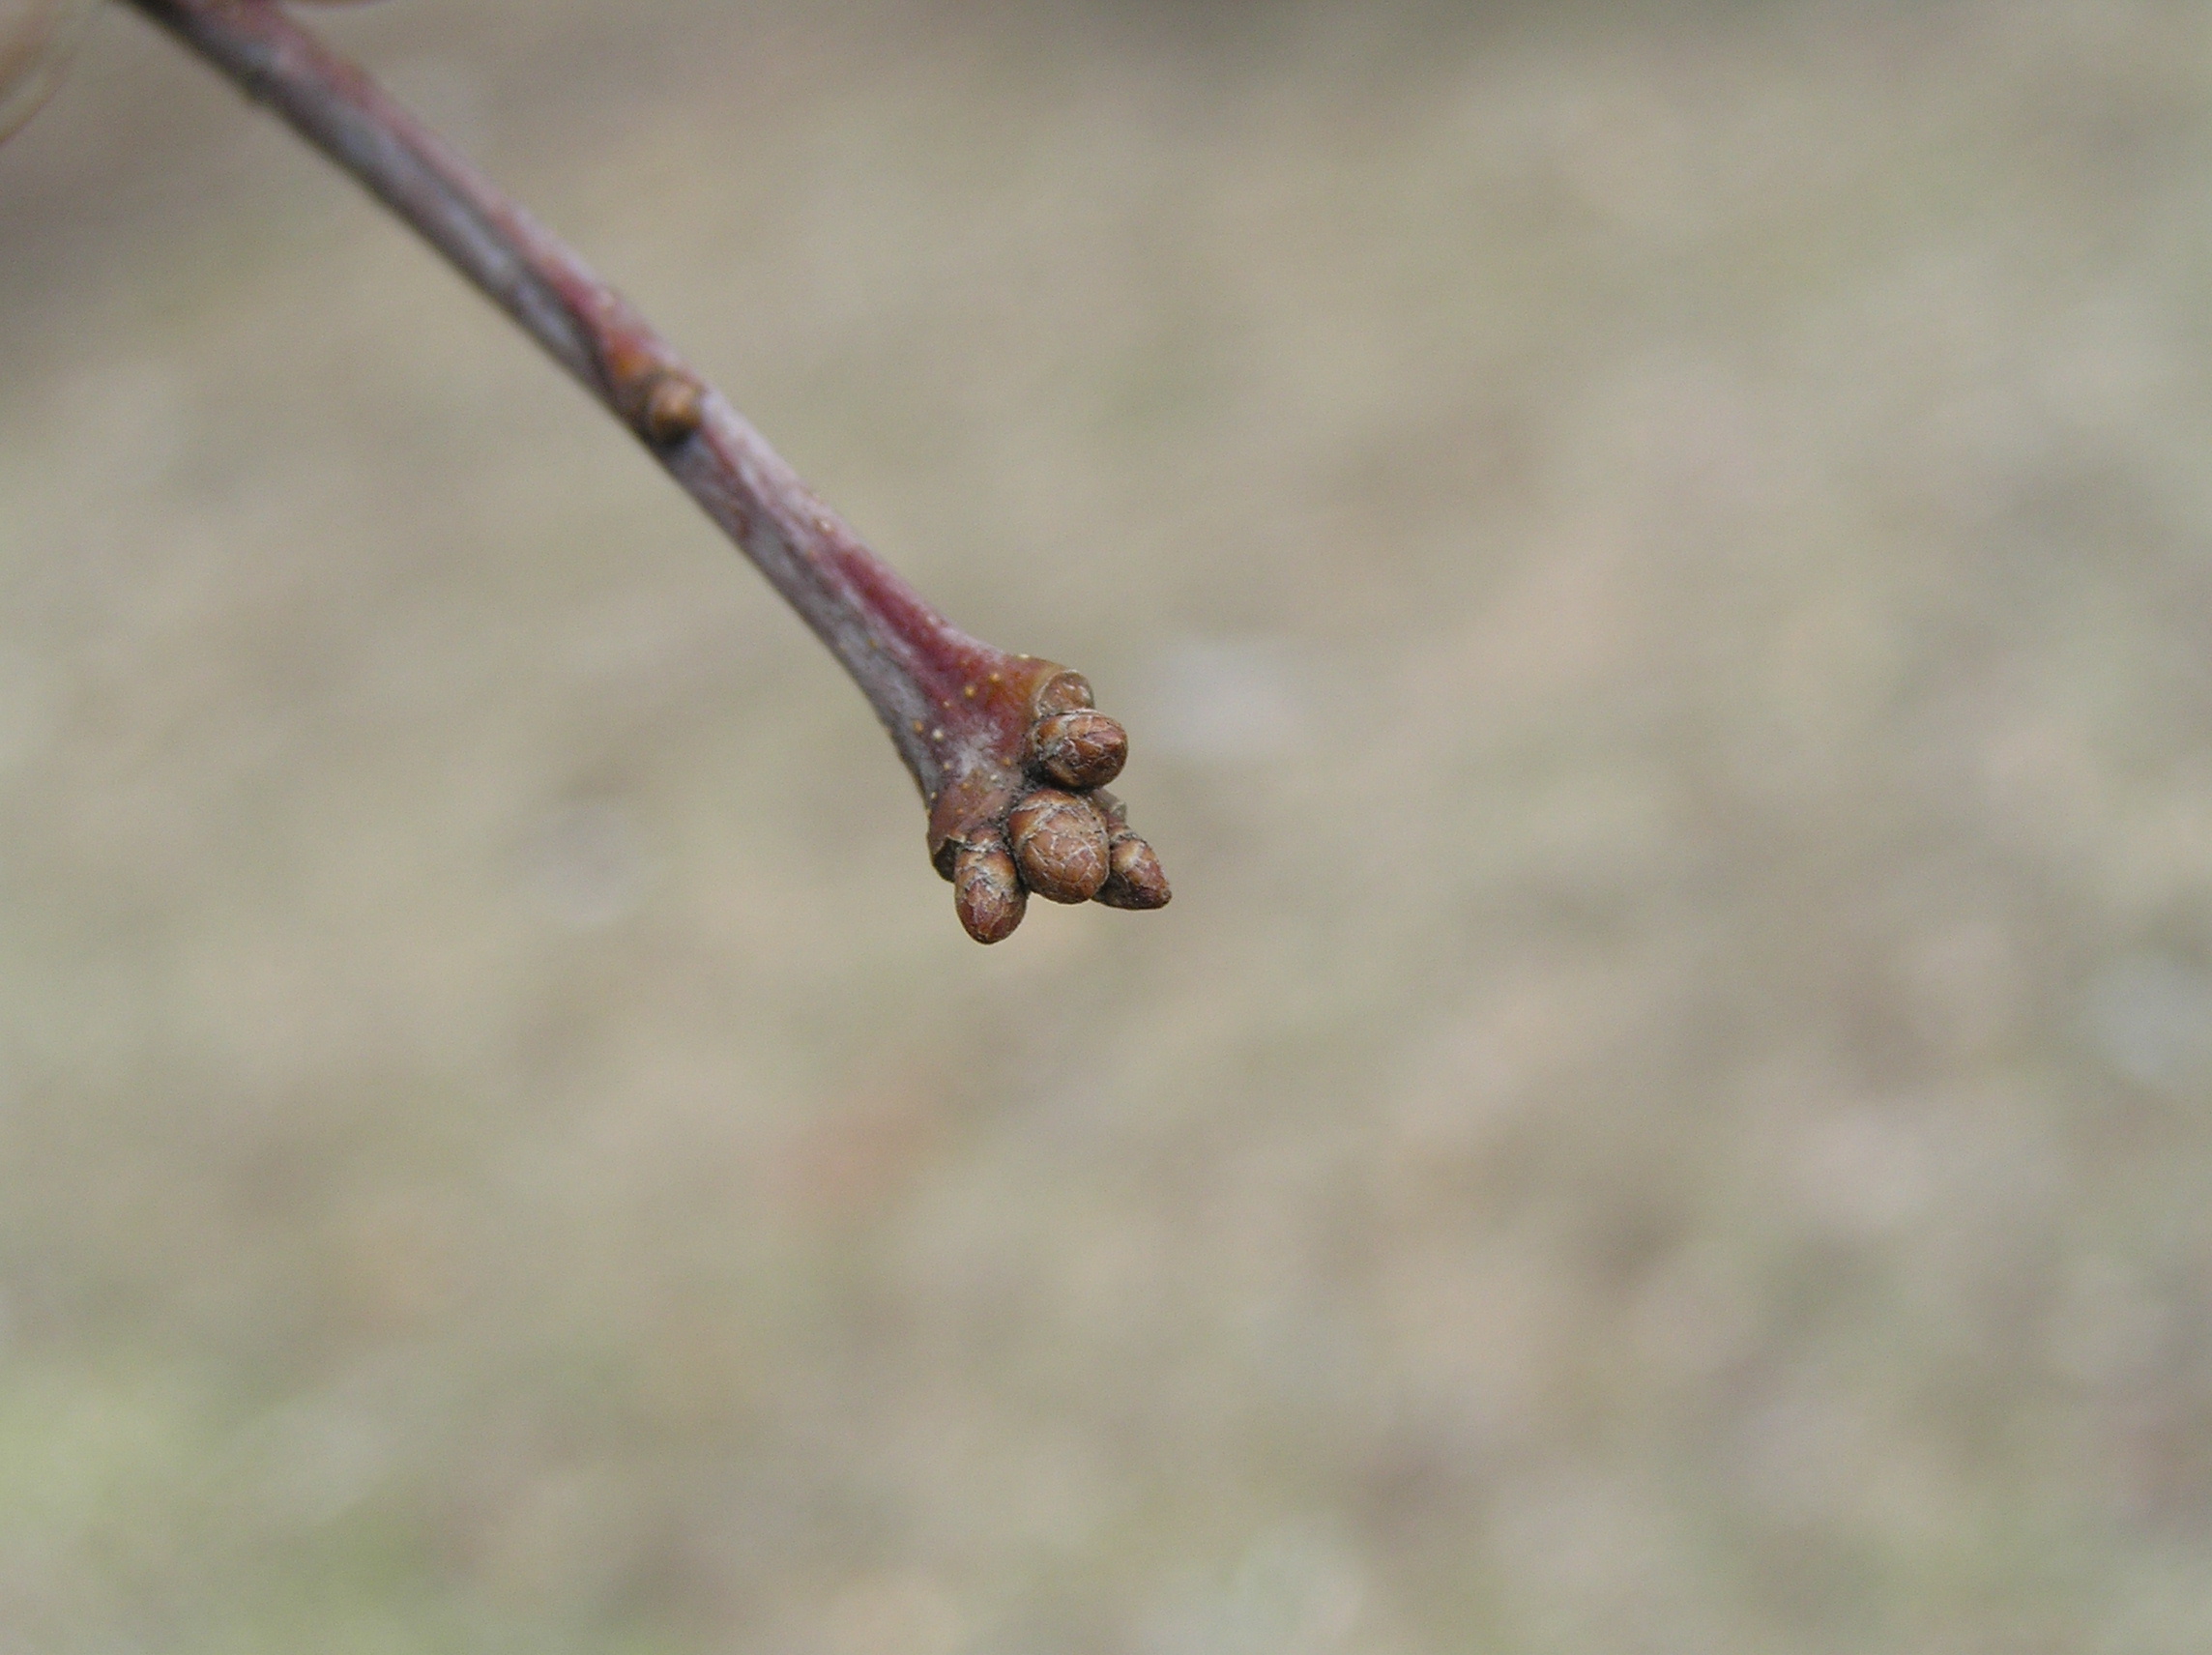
column 1063, row 693
column 963, row 810
column 673, row 408
column 1079, row 749
column 987, row 892
column 1059, row 844
column 1134, row 877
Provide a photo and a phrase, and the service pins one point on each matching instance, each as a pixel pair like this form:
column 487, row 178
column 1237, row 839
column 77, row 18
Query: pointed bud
column 1059, row 844
column 1079, row 749
column 987, row 892
column 1062, row 692
column 1134, row 877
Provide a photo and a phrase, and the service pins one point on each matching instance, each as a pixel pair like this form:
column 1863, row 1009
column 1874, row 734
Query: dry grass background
column 1659, row 562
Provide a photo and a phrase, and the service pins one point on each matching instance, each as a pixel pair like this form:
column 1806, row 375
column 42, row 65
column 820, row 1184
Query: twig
column 1009, row 755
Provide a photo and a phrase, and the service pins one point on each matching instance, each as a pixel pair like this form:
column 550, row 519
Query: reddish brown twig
column 1009, row 754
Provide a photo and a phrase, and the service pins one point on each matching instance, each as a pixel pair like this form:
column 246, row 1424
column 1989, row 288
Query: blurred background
column 1658, row 561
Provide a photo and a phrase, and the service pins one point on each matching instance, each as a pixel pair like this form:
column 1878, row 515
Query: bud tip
column 987, row 892
column 1079, row 749
column 1134, row 877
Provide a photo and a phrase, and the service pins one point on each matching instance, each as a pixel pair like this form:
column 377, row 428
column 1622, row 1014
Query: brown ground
column 1659, row 565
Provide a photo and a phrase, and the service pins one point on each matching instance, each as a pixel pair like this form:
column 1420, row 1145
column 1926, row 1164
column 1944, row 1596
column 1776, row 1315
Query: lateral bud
column 1134, row 877
column 1079, row 749
column 1065, row 691
column 673, row 406
column 1059, row 844
column 986, row 892
column 970, row 808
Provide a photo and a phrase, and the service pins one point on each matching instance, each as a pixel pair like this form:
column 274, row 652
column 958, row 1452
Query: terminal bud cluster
column 1029, row 812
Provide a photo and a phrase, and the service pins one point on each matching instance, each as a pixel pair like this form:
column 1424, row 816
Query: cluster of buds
column 1046, row 825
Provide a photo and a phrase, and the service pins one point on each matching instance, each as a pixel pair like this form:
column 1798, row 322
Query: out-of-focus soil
column 1658, row 562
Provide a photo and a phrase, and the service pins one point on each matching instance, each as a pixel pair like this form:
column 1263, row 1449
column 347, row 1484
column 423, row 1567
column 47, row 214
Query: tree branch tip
column 1029, row 799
